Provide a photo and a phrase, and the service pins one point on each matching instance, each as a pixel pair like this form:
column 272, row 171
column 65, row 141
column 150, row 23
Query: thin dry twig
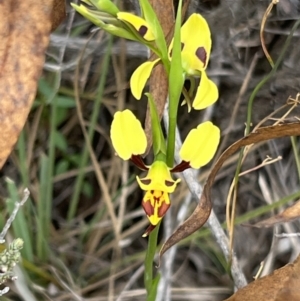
column 12, row 217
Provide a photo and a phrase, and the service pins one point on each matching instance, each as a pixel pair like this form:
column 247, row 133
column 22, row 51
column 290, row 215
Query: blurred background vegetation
column 83, row 223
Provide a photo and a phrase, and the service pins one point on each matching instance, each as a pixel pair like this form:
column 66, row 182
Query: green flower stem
column 159, row 144
column 176, row 80
column 150, row 283
column 171, row 139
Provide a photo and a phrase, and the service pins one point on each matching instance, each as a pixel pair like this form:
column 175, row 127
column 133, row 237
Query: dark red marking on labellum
column 148, row 207
column 163, row 209
column 201, row 55
column 143, row 30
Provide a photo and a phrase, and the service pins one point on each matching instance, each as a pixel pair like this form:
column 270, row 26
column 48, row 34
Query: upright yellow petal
column 140, row 25
column 200, row 144
column 207, row 93
column 196, row 41
column 140, row 76
column 127, row 135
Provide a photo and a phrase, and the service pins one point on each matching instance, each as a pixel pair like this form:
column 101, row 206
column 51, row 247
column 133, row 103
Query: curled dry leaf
column 281, row 285
column 24, row 34
column 202, row 211
column 287, row 215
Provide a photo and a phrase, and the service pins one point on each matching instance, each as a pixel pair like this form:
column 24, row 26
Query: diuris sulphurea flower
column 195, row 53
column 129, row 141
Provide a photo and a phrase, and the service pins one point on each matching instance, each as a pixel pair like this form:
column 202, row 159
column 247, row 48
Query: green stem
column 171, row 139
column 149, row 259
column 176, row 81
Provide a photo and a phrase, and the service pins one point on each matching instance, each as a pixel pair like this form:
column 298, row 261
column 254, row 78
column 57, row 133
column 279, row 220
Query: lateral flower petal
column 207, row 93
column 158, row 178
column 140, row 25
column 127, row 135
column 200, row 145
column 140, row 76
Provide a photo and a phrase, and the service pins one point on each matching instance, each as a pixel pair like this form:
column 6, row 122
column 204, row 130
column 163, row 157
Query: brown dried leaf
column 287, row 215
column 24, row 33
column 202, row 211
column 281, row 285
column 58, row 13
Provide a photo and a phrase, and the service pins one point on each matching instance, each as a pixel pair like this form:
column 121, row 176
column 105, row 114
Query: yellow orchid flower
column 129, row 141
column 195, row 52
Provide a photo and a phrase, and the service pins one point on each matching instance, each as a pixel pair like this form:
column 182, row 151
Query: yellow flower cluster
column 128, row 137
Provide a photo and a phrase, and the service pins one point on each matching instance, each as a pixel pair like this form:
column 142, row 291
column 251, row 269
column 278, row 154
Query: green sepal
column 150, row 16
column 103, row 5
column 159, row 143
column 176, row 81
column 176, row 77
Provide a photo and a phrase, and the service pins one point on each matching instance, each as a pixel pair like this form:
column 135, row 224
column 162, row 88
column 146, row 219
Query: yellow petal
column 140, row 25
column 196, row 42
column 127, row 135
column 207, row 93
column 158, row 178
column 140, row 76
column 200, row 145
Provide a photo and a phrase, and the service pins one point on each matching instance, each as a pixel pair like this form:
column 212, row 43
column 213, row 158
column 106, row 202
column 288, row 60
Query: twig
column 284, row 235
column 7, row 225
